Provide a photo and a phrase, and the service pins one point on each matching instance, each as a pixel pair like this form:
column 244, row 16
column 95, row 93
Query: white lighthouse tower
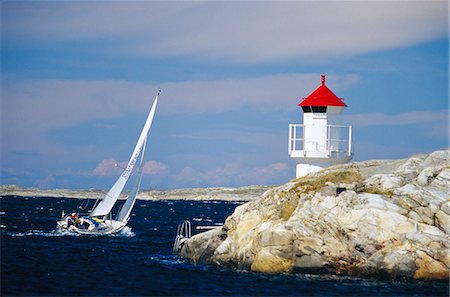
column 321, row 140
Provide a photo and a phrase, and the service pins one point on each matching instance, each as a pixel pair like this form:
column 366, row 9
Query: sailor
column 72, row 219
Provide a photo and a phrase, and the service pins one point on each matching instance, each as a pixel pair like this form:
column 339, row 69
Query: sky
column 78, row 79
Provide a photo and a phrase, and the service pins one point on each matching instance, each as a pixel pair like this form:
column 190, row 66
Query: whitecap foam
column 54, row 233
column 165, row 260
column 126, row 232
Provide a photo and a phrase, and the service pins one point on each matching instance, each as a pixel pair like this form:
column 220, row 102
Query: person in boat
column 72, row 219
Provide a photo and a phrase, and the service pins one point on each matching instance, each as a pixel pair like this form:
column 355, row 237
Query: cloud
column 407, row 118
column 435, row 123
column 112, row 167
column 61, row 178
column 32, row 109
column 14, row 172
column 235, row 174
column 108, row 167
column 46, row 182
column 155, row 168
column 271, row 92
column 241, row 32
column 260, row 139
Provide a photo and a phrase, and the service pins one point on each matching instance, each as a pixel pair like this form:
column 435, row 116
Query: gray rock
column 399, row 264
column 415, row 217
column 445, row 207
column 425, row 214
column 443, row 221
column 392, row 220
column 384, row 182
column 313, row 260
column 428, row 175
column 202, row 247
column 328, row 191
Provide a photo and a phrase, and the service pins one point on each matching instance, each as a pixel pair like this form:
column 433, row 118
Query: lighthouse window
column 319, row 109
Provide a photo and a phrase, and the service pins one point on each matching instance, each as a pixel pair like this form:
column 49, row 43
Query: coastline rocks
column 373, row 218
column 224, row 194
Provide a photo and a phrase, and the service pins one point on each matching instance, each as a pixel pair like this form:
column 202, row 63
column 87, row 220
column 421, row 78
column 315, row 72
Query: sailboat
column 100, row 220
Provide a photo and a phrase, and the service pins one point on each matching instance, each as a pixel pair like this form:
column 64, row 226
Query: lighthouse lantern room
column 321, row 140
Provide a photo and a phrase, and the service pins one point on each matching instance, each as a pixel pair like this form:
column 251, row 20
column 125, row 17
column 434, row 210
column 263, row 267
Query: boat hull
column 107, row 227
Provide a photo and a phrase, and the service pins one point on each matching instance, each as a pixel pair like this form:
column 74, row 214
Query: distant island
column 247, row 193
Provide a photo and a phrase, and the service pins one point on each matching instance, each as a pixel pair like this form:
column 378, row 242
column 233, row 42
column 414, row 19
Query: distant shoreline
column 247, row 193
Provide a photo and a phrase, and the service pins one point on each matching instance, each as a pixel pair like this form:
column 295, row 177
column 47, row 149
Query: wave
column 54, row 233
column 126, row 232
column 165, row 260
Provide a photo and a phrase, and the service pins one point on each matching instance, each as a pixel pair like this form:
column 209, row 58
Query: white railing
column 338, row 139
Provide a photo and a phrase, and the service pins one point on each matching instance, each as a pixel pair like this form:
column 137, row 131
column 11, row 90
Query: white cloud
column 108, row 167
column 30, row 110
column 244, row 32
column 112, row 167
column 155, row 168
column 272, row 92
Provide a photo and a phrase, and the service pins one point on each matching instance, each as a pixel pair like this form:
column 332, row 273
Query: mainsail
column 125, row 211
column 105, row 206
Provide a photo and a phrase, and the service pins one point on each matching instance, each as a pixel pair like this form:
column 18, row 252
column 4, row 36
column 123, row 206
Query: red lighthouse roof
column 322, row 96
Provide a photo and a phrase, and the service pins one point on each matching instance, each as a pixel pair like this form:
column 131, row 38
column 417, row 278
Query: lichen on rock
column 373, row 218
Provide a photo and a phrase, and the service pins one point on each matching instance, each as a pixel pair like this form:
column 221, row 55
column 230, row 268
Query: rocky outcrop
column 224, row 194
column 374, row 218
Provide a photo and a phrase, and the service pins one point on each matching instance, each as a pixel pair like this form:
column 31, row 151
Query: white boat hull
column 105, row 228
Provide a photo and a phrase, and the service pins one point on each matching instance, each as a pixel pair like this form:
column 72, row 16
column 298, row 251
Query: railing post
column 290, row 139
column 294, row 140
column 328, row 139
column 349, row 141
column 303, row 138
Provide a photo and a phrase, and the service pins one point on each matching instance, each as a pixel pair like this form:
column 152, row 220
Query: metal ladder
column 184, row 231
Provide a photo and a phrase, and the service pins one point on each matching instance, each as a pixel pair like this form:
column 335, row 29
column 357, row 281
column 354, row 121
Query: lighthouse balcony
column 329, row 143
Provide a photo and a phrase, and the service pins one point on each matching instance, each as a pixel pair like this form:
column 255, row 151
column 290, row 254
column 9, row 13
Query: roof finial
column 323, row 79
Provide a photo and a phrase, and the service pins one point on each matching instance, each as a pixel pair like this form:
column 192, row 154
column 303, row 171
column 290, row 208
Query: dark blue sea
column 37, row 260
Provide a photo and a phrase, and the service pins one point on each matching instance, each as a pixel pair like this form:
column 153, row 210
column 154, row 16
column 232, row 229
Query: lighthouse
column 321, row 140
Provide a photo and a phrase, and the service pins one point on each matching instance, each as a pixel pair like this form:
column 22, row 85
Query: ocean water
column 37, row 260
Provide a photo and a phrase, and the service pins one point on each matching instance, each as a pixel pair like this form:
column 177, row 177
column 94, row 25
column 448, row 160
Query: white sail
column 125, row 211
column 105, row 206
